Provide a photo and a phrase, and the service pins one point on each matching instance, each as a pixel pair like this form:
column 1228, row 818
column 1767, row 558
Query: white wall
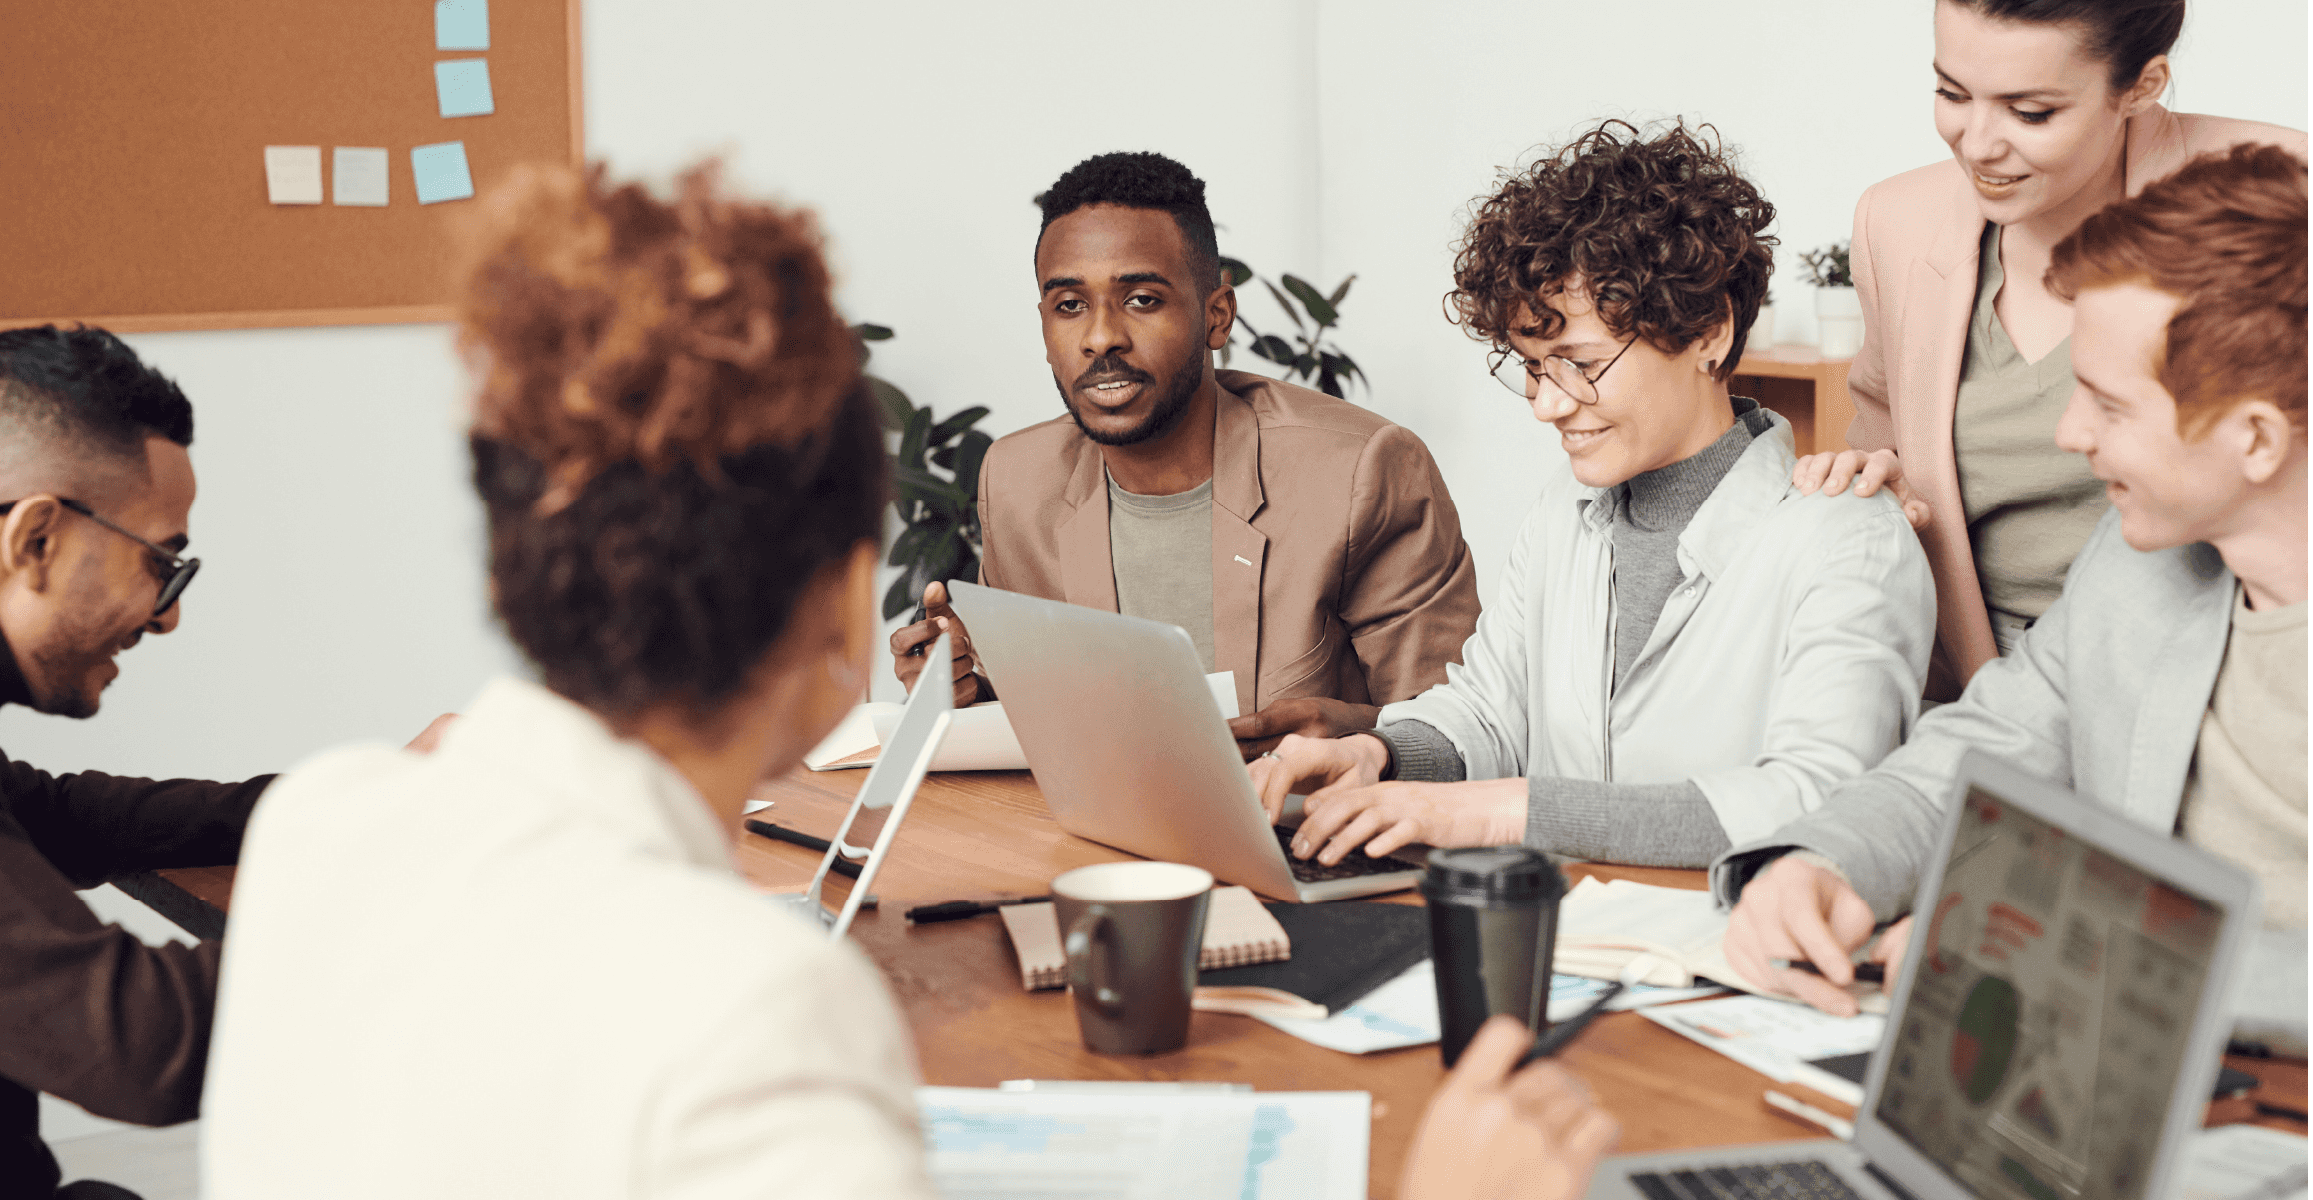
column 343, row 596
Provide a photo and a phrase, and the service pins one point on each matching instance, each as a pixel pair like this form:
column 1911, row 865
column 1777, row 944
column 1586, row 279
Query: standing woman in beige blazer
column 2050, row 108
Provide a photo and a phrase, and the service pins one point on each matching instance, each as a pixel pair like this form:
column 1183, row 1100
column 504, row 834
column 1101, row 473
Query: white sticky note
column 461, row 24
column 293, row 174
column 358, row 175
column 463, row 87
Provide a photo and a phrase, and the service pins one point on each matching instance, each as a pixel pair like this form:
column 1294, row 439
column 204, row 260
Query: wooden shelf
column 1809, row 390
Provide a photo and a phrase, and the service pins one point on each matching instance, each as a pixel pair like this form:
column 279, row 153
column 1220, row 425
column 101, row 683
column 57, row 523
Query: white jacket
column 1790, row 658
column 524, row 966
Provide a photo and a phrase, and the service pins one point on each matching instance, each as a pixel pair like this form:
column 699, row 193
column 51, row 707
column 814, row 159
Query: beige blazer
column 1916, row 244
column 1339, row 568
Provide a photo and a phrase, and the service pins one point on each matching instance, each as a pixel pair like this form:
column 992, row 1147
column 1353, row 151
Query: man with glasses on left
column 95, row 489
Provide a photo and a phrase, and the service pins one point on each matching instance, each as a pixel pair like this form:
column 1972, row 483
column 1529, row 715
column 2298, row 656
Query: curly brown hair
column 1662, row 231
column 671, row 440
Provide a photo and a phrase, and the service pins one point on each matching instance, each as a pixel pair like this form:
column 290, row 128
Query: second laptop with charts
column 2063, row 1002
column 1129, row 750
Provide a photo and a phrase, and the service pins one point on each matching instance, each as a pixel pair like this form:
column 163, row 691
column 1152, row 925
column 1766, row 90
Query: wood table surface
column 987, row 834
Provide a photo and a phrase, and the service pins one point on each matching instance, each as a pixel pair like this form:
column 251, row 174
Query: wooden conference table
column 978, row 835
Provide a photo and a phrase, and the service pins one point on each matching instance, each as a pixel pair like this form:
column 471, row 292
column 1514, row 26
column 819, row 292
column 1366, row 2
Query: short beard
column 1170, row 407
column 63, row 665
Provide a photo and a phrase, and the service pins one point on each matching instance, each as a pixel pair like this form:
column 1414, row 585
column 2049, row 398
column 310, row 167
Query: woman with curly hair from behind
column 1684, row 651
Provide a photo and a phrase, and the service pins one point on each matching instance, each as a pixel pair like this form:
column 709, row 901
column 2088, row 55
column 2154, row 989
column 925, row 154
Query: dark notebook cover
column 1341, row 951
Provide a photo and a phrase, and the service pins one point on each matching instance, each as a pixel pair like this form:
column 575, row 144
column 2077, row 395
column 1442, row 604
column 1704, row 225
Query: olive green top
column 1162, row 548
column 2030, row 506
column 2244, row 798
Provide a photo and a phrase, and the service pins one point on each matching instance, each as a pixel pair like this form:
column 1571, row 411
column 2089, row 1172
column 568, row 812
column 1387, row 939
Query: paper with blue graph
column 983, row 1144
column 1404, row 1011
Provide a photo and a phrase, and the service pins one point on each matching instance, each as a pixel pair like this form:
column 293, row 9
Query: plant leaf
column 909, row 545
column 1319, row 309
column 970, row 453
column 1287, row 305
column 891, row 404
column 945, row 456
column 1303, row 364
column 911, row 447
column 899, row 599
column 1339, row 292
column 954, row 425
column 1274, row 348
column 872, row 333
column 1235, row 271
column 943, row 498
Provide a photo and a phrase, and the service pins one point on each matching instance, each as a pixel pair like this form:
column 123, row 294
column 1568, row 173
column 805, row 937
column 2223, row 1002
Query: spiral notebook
column 1238, row 933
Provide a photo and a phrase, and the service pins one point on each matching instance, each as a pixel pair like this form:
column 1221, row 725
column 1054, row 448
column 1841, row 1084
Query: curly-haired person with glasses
column 1684, row 651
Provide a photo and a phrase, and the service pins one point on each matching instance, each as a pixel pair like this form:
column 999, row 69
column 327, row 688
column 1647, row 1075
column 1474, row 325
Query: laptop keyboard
column 1353, row 865
column 1762, row 1181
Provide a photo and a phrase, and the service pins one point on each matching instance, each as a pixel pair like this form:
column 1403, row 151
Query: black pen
column 957, row 910
column 1864, row 972
column 848, row 870
column 1565, row 1031
column 917, row 618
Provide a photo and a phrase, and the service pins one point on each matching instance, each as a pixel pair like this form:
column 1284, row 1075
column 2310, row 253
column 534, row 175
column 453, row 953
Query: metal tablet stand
column 891, row 783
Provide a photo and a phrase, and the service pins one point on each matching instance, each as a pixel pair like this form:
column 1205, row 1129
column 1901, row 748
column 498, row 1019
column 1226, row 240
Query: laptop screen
column 2048, row 1015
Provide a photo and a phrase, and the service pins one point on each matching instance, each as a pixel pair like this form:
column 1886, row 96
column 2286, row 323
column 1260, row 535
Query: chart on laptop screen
column 2045, row 1027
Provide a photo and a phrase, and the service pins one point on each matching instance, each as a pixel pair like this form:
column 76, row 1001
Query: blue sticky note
column 440, row 170
column 463, row 86
column 461, row 24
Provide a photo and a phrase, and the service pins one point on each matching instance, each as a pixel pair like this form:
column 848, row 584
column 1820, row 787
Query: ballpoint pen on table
column 781, row 833
column 957, row 910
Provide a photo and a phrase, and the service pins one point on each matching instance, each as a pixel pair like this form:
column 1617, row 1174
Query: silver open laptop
column 2054, row 1032
column 891, row 783
column 1115, row 719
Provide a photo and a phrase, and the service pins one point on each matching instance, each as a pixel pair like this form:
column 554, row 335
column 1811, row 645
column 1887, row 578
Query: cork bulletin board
column 134, row 188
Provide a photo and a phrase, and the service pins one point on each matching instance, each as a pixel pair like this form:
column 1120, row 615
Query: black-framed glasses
column 181, row 569
column 1524, row 376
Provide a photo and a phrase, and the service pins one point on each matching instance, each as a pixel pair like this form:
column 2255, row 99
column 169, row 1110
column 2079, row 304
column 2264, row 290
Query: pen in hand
column 1864, row 972
column 1561, row 1032
column 917, row 618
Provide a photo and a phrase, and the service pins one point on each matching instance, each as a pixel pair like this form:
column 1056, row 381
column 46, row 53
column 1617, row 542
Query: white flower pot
column 1762, row 336
column 1838, row 321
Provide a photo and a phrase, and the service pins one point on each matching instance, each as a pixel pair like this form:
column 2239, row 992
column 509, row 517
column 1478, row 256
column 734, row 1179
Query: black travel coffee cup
column 1493, row 926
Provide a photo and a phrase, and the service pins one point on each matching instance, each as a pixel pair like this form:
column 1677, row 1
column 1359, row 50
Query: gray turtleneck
column 1643, row 824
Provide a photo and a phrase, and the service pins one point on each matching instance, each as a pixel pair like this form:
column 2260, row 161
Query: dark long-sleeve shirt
column 87, row 1011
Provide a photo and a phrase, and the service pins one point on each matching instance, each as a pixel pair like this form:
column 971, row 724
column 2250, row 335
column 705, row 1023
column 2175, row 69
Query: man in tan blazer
column 1304, row 543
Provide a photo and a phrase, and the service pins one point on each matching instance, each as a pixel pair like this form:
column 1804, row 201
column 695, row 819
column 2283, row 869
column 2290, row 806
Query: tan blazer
column 1917, row 238
column 1339, row 568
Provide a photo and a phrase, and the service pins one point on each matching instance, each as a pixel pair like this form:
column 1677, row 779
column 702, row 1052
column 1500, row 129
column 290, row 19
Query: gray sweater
column 1645, row 824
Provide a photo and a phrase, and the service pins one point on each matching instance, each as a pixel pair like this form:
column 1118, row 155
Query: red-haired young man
column 2169, row 679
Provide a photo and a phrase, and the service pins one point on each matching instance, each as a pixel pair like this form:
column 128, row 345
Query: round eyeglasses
column 174, row 572
column 1523, row 376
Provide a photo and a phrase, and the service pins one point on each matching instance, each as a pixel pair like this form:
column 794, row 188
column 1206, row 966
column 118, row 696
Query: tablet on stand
column 891, row 783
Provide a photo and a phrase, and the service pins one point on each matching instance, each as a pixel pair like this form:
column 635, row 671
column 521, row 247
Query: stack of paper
column 1153, row 1144
column 1404, row 1011
column 1776, row 1038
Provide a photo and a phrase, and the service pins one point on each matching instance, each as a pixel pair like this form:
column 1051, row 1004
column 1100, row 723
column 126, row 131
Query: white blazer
column 524, row 966
column 1789, row 660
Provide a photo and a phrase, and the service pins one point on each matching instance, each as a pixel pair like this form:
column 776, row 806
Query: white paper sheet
column 1773, row 1037
column 2235, row 1161
column 1400, row 1013
column 980, row 739
column 986, row 1144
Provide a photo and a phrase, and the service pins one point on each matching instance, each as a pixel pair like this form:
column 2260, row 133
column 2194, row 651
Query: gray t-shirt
column 1162, row 548
column 2030, row 506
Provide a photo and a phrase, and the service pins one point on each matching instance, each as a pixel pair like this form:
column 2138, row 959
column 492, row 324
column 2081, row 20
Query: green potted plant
column 935, row 487
column 1312, row 358
column 1838, row 314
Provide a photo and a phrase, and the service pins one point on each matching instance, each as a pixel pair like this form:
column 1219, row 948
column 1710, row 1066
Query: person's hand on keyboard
column 1534, row 1135
column 1385, row 816
column 1304, row 764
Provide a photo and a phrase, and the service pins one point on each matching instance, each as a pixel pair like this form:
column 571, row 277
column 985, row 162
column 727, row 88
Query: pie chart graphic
column 1985, row 1042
